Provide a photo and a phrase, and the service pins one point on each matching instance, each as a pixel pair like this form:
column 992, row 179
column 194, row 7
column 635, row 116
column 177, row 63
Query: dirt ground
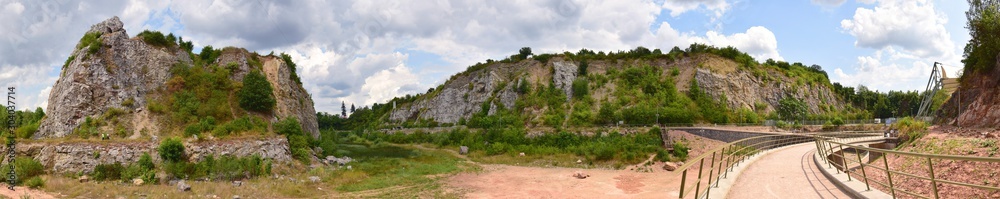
column 944, row 140
column 23, row 192
column 636, row 181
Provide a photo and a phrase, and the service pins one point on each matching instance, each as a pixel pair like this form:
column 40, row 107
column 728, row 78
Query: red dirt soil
column 505, row 181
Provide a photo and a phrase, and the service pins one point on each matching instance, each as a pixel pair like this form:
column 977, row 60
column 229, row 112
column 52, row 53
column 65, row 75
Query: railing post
column 829, row 149
column 710, row 170
column 684, row 175
column 697, row 185
column 843, row 159
column 863, row 173
column 888, row 174
column 934, row 185
column 721, row 156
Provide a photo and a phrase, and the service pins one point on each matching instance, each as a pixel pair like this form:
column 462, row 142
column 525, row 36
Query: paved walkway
column 786, row 173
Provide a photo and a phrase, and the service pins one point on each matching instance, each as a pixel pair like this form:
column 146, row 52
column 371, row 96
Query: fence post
column 684, row 175
column 863, row 173
column 721, row 156
column 888, row 174
column 710, row 169
column 697, row 185
column 930, row 165
column 843, row 159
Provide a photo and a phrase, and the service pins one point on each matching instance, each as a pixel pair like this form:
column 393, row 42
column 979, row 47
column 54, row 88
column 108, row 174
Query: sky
column 364, row 52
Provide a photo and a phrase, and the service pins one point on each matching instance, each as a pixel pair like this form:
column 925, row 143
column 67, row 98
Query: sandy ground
column 22, row 192
column 505, row 181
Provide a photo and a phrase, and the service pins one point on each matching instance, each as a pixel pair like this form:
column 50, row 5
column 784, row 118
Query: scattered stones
column 181, row 186
column 463, row 150
column 340, row 161
column 237, row 183
column 580, row 175
column 669, row 166
column 314, row 179
column 84, row 178
column 137, row 181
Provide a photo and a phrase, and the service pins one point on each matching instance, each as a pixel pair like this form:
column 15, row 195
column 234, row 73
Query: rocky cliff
column 976, row 101
column 123, row 73
column 464, row 94
column 70, row 157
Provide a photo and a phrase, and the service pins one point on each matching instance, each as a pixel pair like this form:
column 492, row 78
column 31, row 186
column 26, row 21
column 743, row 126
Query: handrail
column 723, row 159
column 829, row 147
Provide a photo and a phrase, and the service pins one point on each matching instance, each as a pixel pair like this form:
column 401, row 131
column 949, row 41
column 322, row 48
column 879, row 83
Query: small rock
column 521, row 154
column 348, row 167
column 137, row 181
column 463, row 150
column 236, row 196
column 84, row 178
column 669, row 166
column 172, row 182
column 181, row 186
column 237, row 183
column 578, row 161
column 314, row 179
column 580, row 175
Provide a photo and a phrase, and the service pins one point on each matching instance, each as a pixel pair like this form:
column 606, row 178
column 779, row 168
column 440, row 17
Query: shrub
column 138, row 171
column 910, row 129
column 155, row 38
column 256, row 93
column 35, row 182
column 27, row 130
column 171, row 150
column 297, row 141
column 291, row 67
column 146, row 161
column 91, row 40
column 582, row 68
column 107, row 171
column 25, row 168
column 837, row 122
column 580, row 87
column 680, row 150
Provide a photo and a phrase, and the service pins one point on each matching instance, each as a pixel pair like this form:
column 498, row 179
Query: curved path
column 788, row 172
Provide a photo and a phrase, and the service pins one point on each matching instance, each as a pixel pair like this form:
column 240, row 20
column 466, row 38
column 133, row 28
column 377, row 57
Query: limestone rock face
column 564, row 76
column 122, row 70
column 743, row 90
column 129, row 70
column 457, row 100
column 83, row 156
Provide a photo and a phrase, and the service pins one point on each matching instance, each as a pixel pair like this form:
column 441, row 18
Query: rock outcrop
column 125, row 72
column 83, row 156
column 744, row 90
column 975, row 103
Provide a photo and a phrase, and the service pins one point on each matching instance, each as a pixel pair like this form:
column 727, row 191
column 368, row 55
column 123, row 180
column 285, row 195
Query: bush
column 256, row 93
column 25, row 168
column 291, row 67
column 34, row 182
column 297, row 141
column 910, row 129
column 580, row 87
column 680, row 150
column 172, row 150
column 155, row 38
column 227, row 167
column 138, row 171
column 91, row 40
column 107, row 171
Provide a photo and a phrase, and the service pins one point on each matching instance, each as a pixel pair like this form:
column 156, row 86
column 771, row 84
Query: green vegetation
column 610, row 147
column 984, row 25
column 291, row 67
column 910, row 129
column 791, row 108
column 171, row 150
column 92, row 41
column 156, row 38
column 25, row 167
column 27, row 122
column 226, row 168
column 256, row 93
column 298, row 141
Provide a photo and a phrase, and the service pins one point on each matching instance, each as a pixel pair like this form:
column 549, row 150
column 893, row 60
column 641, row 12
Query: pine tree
column 343, row 109
column 352, row 108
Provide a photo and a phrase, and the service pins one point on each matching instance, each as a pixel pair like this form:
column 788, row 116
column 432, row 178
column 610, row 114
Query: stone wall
column 62, row 157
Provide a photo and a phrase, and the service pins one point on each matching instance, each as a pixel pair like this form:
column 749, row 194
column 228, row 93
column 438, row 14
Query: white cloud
column 387, row 84
column 830, row 3
column 678, row 7
column 879, row 72
column 757, row 41
column 866, row 1
column 913, row 25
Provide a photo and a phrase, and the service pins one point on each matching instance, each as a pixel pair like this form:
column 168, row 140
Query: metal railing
column 832, row 150
column 723, row 159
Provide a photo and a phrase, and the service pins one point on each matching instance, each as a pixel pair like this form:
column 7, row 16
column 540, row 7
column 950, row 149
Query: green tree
column 580, row 88
column 790, row 108
column 984, row 26
column 524, row 53
column 255, row 95
column 171, row 150
column 582, row 68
